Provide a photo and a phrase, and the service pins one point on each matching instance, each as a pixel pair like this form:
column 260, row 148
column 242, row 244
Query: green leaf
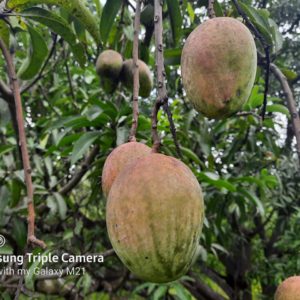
column 19, row 232
column 191, row 155
column 4, row 198
column 289, row 74
column 218, row 9
column 160, row 292
column 175, row 19
column 278, row 108
column 172, row 56
column 110, row 11
column 36, row 55
column 4, row 33
column 277, row 36
column 61, row 204
column 5, row 149
column 76, row 8
column 259, row 21
column 213, row 179
column 51, row 203
column 59, row 26
column 191, row 12
column 82, row 145
column 29, row 278
column 253, row 198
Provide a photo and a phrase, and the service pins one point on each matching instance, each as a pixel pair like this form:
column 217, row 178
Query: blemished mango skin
column 218, row 66
column 154, row 217
column 289, row 289
column 118, row 159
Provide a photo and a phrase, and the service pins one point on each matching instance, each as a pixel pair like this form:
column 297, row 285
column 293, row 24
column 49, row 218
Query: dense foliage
column 248, row 168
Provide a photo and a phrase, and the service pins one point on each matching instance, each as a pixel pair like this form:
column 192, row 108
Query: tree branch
column 80, row 172
column 22, row 140
column 291, row 104
column 136, row 79
column 210, row 8
column 162, row 97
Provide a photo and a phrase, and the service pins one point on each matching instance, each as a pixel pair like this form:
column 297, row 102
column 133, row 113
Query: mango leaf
column 289, row 74
column 250, row 196
column 110, row 11
column 160, row 292
column 175, row 19
column 260, row 22
column 76, row 8
column 5, row 149
column 172, row 56
column 191, row 155
column 61, row 204
column 82, row 145
column 59, row 26
column 214, row 180
column 278, row 108
column 4, row 33
column 19, row 233
column 36, row 55
column 191, row 12
column 218, row 9
column 277, row 36
column 30, row 276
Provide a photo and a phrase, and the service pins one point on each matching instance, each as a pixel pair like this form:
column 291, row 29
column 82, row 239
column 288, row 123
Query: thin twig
column 162, row 97
column 266, row 47
column 70, row 82
column 136, row 79
column 211, row 10
column 291, row 104
column 160, row 72
column 80, row 172
column 22, row 140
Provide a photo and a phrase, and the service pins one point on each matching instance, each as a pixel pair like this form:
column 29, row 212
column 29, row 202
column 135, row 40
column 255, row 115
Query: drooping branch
column 162, row 97
column 84, row 167
column 291, row 104
column 211, row 10
column 136, row 81
column 266, row 47
column 31, row 239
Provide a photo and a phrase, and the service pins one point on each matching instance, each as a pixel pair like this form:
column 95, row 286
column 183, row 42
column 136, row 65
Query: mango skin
column 118, row 159
column 154, row 217
column 289, row 289
column 218, row 66
column 109, row 66
column 145, row 76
